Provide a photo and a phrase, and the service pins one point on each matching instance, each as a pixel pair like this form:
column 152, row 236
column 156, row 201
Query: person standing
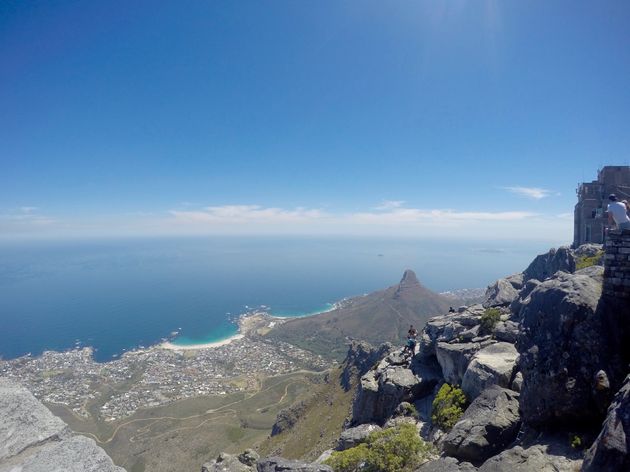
column 412, row 334
column 617, row 213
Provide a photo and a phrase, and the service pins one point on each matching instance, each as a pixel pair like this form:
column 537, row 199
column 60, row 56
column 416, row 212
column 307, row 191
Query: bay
column 116, row 295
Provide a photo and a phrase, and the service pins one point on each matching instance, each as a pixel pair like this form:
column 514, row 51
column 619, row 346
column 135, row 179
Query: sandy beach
column 191, row 347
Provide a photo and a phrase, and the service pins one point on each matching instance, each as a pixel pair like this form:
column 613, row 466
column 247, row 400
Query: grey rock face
column 589, row 250
column 517, row 383
column 382, row 389
column 446, row 464
column 493, row 365
column 500, row 293
column 361, row 357
column 354, row 436
column 517, row 280
column 249, row 457
column 278, row 464
column 611, row 449
column 539, row 458
column 506, row 331
column 75, row 454
column 454, row 359
column 34, row 440
column 448, row 328
column 230, row 463
column 545, row 265
column 489, row 424
column 25, row 421
column 287, row 417
column 562, row 345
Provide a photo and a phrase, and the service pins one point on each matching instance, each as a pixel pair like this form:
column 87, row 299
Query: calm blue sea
column 118, row 295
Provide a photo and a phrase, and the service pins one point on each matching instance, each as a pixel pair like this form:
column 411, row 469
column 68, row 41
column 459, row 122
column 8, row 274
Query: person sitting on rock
column 617, row 213
column 412, row 334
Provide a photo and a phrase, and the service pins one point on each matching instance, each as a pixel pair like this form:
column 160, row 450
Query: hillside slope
column 382, row 316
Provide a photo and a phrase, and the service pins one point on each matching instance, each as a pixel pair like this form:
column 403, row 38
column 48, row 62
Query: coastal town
column 158, row 375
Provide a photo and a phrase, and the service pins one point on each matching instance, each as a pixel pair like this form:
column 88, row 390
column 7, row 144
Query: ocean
column 118, row 295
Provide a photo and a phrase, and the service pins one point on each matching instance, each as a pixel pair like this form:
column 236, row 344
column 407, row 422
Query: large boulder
column 279, row 464
column 360, row 358
column 611, row 449
column 353, row 436
column 381, row 390
column 545, row 456
column 545, row 265
column 287, row 417
column 34, row 440
column 500, row 293
column 506, row 331
column 493, row 365
column 563, row 343
column 488, row 425
column 230, row 463
column 446, row 464
column 447, row 328
column 454, row 359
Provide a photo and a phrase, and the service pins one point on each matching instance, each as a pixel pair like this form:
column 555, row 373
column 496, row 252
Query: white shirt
column 618, row 212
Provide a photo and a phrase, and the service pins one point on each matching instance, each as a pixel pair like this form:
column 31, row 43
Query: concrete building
column 590, row 218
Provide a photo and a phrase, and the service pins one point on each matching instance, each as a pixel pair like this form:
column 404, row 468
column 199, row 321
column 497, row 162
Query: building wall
column 617, row 265
column 590, row 218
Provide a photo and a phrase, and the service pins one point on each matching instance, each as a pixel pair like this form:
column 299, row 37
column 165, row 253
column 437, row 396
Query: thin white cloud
column 534, row 193
column 230, row 214
column 436, row 216
column 389, row 220
column 23, row 218
column 389, row 204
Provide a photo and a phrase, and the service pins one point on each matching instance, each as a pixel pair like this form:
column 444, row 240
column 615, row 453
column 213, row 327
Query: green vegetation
column 409, row 410
column 489, row 319
column 583, row 262
column 576, row 442
column 390, row 450
column 448, row 406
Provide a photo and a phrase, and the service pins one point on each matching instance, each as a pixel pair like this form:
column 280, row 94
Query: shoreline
column 241, row 333
column 191, row 347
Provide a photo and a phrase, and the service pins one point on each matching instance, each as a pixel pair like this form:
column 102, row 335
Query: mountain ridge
column 380, row 316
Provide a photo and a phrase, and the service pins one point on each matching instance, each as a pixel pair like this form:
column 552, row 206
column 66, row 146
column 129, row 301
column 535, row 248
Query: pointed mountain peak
column 409, row 279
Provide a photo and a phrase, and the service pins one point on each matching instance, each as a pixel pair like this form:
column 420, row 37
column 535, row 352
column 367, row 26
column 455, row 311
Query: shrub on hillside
column 448, row 406
column 396, row 449
column 582, row 262
column 489, row 319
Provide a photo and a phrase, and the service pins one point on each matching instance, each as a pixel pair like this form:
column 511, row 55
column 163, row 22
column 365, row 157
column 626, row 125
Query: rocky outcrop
column 545, row 265
column 489, row 424
column 455, row 357
column 278, row 464
column 506, row 331
column 447, row 328
column 502, row 292
column 446, row 464
column 544, row 456
column 493, row 365
column 245, row 462
column 562, row 345
column 611, row 449
column 353, row 436
column 361, row 357
column 380, row 392
column 35, row 440
column 287, row 417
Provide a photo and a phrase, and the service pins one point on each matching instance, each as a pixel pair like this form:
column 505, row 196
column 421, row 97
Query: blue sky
column 462, row 118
